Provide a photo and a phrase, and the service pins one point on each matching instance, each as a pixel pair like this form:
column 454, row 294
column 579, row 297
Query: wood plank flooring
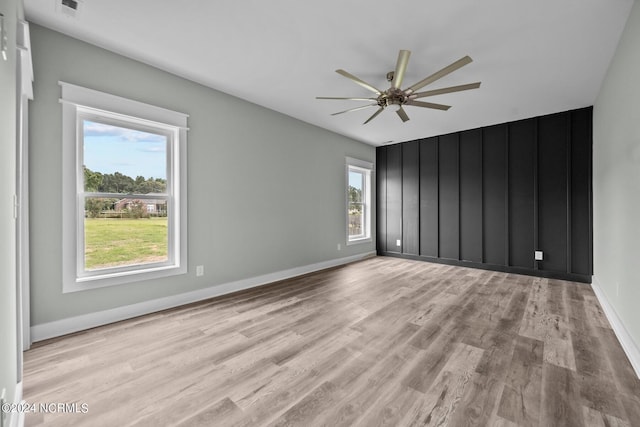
column 384, row 341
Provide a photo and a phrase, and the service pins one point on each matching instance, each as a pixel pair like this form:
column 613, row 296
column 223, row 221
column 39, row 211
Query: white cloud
column 124, row 134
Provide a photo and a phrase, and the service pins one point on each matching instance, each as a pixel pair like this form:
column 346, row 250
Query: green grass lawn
column 117, row 242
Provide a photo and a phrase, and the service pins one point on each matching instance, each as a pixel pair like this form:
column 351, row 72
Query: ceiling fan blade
column 403, row 114
column 445, row 90
column 359, row 81
column 429, row 105
column 401, row 68
column 374, row 115
column 354, row 109
column 348, row 99
column 439, row 74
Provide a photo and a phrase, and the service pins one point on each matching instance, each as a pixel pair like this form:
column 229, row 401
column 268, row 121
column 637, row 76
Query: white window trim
column 366, row 168
column 79, row 100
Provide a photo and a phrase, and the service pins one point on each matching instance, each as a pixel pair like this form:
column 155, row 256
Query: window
column 358, row 201
column 124, row 190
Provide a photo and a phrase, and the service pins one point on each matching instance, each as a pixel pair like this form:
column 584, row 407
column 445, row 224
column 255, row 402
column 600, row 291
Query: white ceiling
column 533, row 57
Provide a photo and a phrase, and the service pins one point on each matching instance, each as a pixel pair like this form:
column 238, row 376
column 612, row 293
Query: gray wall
column 266, row 192
column 8, row 323
column 616, row 181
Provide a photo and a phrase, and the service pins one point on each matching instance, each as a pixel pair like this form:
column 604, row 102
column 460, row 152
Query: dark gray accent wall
column 491, row 197
column 393, row 233
column 410, row 198
column 522, row 192
column 471, row 215
column 429, row 194
column 449, row 200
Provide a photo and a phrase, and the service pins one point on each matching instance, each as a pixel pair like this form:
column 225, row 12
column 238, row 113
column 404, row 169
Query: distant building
column 152, row 206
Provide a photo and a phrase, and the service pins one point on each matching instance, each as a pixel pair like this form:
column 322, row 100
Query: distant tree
column 117, row 183
column 94, row 206
column 355, row 198
column 121, row 184
column 161, row 185
column 355, row 194
column 109, row 184
column 92, row 180
column 151, row 185
column 138, row 209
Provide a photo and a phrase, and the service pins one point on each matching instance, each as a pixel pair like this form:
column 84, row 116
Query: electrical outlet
column 339, row 246
column 200, row 270
column 398, row 242
column 539, row 256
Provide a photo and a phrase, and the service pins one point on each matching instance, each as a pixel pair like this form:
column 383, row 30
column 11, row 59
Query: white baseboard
column 626, row 340
column 86, row 321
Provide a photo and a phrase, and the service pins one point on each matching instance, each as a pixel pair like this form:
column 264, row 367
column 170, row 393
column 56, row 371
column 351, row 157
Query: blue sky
column 109, row 149
column 355, row 180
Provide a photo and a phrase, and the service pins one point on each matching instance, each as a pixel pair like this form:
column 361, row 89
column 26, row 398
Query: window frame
column 80, row 104
column 366, row 169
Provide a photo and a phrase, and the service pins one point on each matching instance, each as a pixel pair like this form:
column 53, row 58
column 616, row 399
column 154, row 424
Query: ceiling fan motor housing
column 392, row 96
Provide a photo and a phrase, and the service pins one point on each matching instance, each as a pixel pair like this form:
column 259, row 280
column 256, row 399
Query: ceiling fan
column 397, row 96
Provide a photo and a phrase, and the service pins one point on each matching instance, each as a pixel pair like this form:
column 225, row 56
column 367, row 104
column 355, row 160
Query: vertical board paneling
column 494, row 164
column 492, row 196
column 449, row 212
column 522, row 144
column 471, row 195
column 552, row 191
column 394, row 197
column 381, row 197
column 581, row 191
column 429, row 197
column 410, row 195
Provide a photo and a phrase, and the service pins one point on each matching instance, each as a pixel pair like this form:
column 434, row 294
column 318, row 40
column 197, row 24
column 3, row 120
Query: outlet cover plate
column 538, row 255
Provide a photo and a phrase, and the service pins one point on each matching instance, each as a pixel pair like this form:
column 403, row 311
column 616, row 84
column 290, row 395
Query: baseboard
column 626, row 340
column 574, row 277
column 86, row 321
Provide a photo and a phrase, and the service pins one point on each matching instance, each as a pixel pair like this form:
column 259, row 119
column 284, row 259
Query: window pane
column 356, row 203
column 356, row 219
column 123, row 160
column 356, row 186
column 125, row 231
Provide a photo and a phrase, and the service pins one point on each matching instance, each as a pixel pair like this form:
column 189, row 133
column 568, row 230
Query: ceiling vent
column 69, row 8
column 70, row 3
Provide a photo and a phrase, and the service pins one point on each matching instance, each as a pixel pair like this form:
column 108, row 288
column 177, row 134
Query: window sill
column 121, row 277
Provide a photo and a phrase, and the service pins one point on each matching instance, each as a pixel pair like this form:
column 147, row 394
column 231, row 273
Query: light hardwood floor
column 384, row 341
